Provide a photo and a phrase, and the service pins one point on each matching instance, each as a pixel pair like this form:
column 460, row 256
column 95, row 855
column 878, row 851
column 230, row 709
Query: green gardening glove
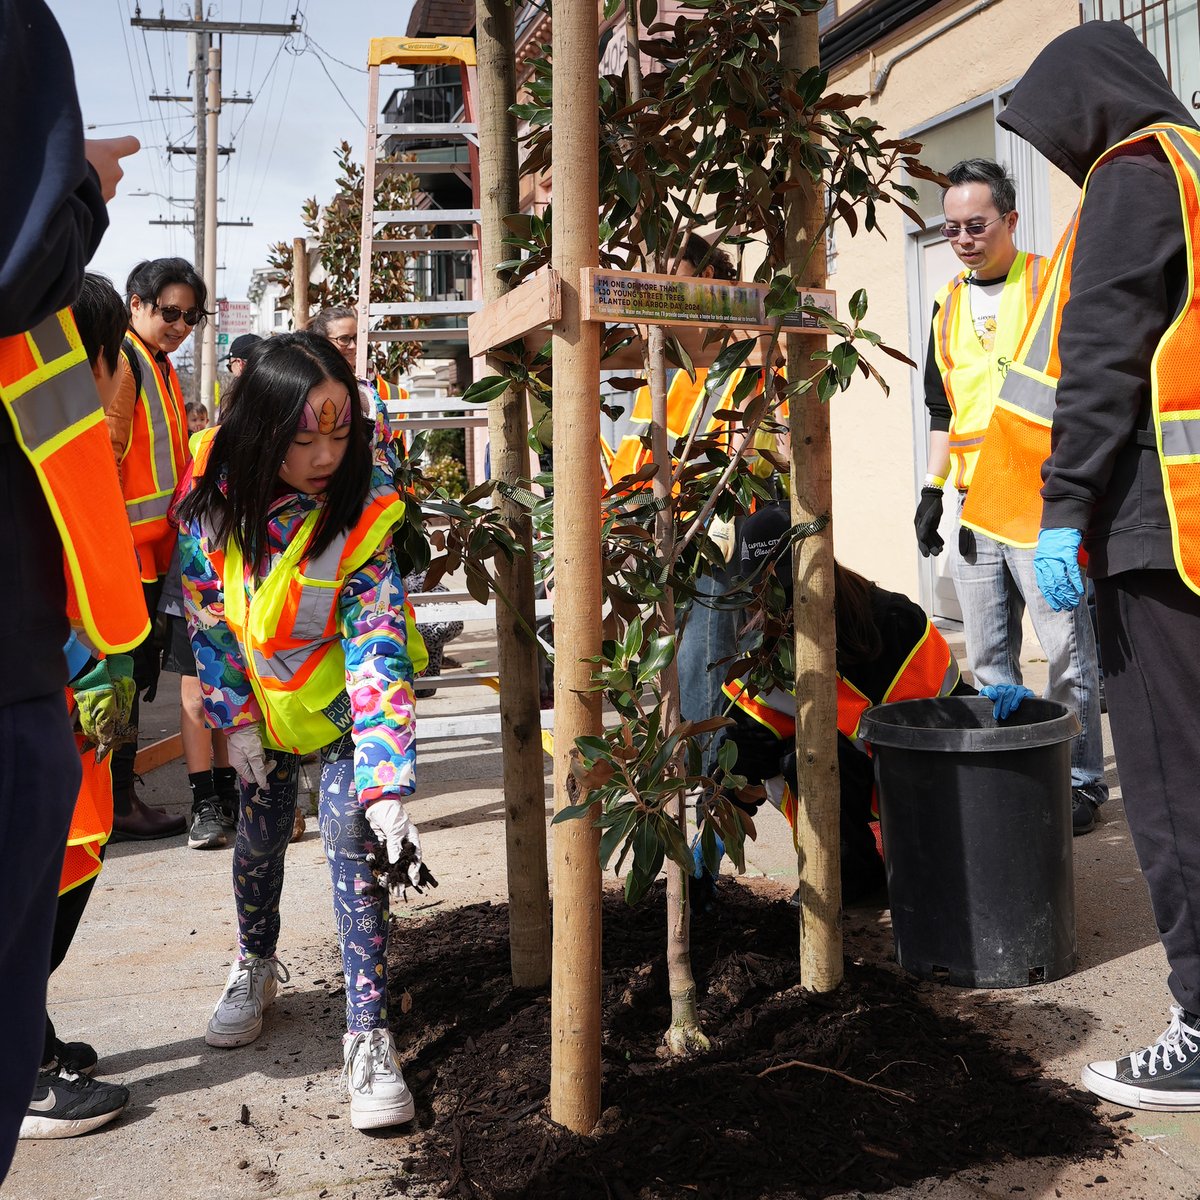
column 104, row 696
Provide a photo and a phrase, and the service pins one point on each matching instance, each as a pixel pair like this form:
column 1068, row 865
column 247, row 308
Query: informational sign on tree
column 641, row 298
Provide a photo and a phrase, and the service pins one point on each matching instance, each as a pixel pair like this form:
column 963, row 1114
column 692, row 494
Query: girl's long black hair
column 252, row 441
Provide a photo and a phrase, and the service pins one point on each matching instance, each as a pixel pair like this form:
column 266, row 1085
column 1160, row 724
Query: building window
column 1170, row 30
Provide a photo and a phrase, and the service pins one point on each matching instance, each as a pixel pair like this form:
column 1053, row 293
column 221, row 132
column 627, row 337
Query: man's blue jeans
column 995, row 584
column 709, row 636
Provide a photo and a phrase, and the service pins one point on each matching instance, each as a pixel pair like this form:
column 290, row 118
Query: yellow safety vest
column 289, row 631
column 972, row 375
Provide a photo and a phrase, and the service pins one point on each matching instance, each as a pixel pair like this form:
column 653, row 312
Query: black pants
column 39, row 784
column 147, row 657
column 1150, row 641
column 66, row 921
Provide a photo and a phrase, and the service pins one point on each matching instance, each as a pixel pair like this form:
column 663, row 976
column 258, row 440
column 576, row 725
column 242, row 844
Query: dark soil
column 873, row 1088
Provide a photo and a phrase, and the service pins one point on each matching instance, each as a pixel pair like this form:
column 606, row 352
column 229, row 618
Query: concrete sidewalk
column 152, row 954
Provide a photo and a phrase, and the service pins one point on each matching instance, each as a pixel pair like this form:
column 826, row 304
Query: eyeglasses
column 345, row 341
column 172, row 312
column 972, row 229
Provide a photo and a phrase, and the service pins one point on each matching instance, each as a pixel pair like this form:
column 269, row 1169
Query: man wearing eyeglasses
column 978, row 320
column 148, row 427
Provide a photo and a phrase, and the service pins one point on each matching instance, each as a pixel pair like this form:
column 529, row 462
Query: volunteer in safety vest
column 887, row 650
column 1119, row 362
column 977, row 325
column 55, row 470
column 107, row 606
column 147, row 422
column 296, row 611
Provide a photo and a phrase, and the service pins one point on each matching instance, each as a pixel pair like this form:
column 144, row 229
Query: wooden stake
column 575, row 990
column 508, row 429
column 299, row 283
column 819, row 793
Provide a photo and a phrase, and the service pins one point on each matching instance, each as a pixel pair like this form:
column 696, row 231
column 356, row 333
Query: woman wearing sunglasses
column 148, row 425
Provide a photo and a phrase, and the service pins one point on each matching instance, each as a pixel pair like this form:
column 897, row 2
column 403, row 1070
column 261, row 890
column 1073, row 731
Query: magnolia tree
column 710, row 140
column 336, row 229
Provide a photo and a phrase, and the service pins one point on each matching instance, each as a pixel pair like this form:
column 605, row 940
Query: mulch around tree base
column 807, row 1095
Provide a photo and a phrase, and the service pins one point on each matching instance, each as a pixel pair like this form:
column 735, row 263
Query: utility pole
column 199, row 70
column 207, row 107
column 208, row 355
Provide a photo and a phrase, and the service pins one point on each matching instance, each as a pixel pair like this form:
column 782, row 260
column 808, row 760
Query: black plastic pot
column 976, row 823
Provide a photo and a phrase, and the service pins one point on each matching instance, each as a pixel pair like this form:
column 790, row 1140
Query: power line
column 340, row 63
column 317, row 53
column 159, row 180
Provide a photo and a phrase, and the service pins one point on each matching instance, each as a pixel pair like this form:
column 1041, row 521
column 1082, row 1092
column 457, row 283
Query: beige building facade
column 941, row 77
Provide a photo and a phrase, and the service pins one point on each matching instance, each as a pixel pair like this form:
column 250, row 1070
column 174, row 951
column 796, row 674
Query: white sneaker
column 252, row 984
column 378, row 1094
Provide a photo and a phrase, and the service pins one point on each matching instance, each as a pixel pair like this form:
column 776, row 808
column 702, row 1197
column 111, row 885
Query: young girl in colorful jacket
column 296, row 613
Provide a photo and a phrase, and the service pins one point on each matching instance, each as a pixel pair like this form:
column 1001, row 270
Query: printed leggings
column 360, row 915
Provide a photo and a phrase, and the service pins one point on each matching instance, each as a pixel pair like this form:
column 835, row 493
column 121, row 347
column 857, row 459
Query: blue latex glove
column 698, row 857
column 1056, row 565
column 1007, row 698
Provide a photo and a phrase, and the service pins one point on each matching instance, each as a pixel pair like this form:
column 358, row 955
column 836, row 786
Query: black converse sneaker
column 65, row 1104
column 1165, row 1076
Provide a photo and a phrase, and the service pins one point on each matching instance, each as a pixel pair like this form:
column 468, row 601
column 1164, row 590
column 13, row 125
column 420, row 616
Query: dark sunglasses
column 172, row 312
column 973, row 229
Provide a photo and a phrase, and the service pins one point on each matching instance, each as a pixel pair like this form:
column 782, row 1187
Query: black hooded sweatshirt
column 1088, row 89
column 52, row 216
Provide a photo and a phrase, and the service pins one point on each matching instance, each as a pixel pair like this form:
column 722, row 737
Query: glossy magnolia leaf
column 485, row 390
column 658, row 654
column 728, row 361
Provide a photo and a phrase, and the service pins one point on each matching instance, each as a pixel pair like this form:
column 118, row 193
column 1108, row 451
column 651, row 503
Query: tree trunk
column 684, row 1034
column 508, row 429
column 819, row 796
column 575, row 987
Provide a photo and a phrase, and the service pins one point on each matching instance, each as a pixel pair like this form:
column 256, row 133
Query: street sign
column 234, row 317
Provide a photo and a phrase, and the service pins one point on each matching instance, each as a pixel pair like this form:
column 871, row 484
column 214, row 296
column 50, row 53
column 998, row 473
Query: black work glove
column 927, row 520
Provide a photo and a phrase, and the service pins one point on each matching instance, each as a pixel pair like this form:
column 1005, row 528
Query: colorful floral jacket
column 378, row 670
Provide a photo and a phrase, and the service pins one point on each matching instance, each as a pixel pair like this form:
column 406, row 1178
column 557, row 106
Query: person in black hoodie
column 52, row 216
column 1089, row 89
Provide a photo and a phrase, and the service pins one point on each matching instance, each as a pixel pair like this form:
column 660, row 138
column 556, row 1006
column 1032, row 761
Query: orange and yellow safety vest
column 48, row 393
column 154, row 460
column 929, row 670
column 1018, row 441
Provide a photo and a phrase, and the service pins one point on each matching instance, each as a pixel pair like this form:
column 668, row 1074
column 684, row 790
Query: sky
column 284, row 141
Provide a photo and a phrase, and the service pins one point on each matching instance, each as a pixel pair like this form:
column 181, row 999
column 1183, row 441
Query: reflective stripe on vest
column 388, row 390
column 154, row 460
column 1012, row 512
column 289, row 632
column 47, row 391
column 971, row 375
column 1004, row 502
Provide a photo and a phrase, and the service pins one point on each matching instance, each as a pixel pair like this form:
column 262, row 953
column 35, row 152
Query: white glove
column 247, row 756
column 390, row 820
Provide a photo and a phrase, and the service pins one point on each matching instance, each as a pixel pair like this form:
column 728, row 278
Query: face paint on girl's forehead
column 325, row 419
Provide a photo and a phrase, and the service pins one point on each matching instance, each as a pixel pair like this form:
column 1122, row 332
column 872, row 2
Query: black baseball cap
column 242, row 345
